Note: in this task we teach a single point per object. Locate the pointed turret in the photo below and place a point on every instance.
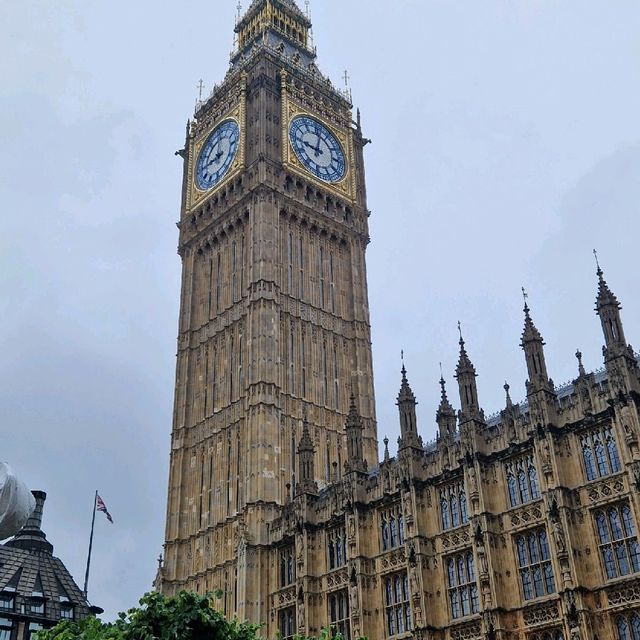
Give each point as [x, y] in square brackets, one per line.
[355, 431]
[608, 308]
[408, 421]
[466, 377]
[446, 415]
[306, 455]
[533, 346]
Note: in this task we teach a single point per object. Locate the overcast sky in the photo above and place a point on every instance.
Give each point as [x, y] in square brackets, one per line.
[506, 146]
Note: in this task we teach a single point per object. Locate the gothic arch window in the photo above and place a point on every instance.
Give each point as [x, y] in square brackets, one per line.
[397, 605]
[392, 528]
[339, 613]
[628, 626]
[619, 548]
[337, 548]
[462, 586]
[522, 481]
[453, 506]
[600, 453]
[534, 561]
[287, 566]
[287, 623]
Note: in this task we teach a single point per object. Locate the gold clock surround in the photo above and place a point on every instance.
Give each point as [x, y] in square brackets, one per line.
[195, 195]
[291, 108]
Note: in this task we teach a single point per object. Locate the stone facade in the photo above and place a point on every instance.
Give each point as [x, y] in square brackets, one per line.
[518, 526]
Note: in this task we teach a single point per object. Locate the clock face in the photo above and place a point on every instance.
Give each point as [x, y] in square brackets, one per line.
[217, 154]
[318, 149]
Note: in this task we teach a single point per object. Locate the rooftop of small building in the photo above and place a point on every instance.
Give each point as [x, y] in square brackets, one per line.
[30, 574]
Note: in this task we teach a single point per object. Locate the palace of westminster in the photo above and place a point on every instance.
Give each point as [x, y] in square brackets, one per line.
[521, 526]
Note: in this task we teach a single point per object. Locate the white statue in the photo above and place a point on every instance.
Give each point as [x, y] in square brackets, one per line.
[16, 502]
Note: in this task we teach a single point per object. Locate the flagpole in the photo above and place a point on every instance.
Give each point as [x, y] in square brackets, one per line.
[93, 524]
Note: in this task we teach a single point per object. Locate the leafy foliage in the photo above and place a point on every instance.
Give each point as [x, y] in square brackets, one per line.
[187, 616]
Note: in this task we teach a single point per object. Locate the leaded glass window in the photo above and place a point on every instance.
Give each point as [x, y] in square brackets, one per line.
[287, 623]
[628, 626]
[522, 481]
[453, 506]
[337, 548]
[600, 453]
[287, 566]
[463, 588]
[339, 614]
[534, 561]
[619, 547]
[392, 532]
[397, 605]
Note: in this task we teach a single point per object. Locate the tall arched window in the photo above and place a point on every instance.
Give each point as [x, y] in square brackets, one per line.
[619, 547]
[628, 626]
[600, 453]
[462, 586]
[534, 560]
[522, 481]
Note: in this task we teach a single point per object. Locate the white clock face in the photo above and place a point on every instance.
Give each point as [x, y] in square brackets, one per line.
[217, 154]
[317, 149]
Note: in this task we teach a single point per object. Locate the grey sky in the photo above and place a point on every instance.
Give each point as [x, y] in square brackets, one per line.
[506, 146]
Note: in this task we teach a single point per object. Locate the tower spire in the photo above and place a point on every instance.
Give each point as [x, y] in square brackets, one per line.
[407, 408]
[466, 376]
[608, 308]
[445, 416]
[533, 345]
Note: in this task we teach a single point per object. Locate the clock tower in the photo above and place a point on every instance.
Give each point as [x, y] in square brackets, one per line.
[274, 338]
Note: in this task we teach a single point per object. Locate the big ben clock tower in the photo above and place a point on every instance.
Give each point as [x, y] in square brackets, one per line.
[274, 339]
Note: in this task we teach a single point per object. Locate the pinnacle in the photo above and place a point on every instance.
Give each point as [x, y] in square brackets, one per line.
[605, 296]
[507, 390]
[464, 363]
[306, 443]
[581, 368]
[445, 407]
[353, 419]
[405, 394]
[530, 333]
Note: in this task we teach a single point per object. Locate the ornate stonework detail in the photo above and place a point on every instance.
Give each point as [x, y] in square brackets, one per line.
[456, 539]
[526, 517]
[274, 445]
[468, 631]
[541, 614]
[604, 491]
[629, 595]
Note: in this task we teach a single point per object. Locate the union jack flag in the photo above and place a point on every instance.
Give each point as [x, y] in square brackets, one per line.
[101, 506]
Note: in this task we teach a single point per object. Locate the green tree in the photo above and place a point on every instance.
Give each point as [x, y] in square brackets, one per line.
[186, 616]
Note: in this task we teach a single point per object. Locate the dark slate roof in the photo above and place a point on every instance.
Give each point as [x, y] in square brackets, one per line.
[31, 575]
